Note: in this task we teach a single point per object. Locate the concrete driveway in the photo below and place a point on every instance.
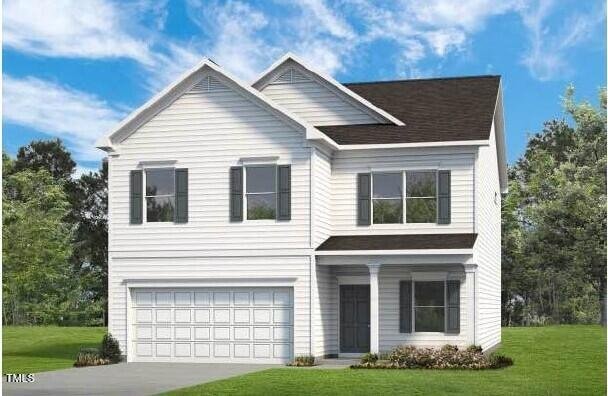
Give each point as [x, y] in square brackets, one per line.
[127, 378]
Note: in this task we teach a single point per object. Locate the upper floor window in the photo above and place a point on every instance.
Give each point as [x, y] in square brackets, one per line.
[160, 195]
[261, 192]
[420, 200]
[421, 196]
[387, 198]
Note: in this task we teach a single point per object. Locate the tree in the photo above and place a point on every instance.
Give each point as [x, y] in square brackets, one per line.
[38, 285]
[90, 257]
[554, 221]
[46, 154]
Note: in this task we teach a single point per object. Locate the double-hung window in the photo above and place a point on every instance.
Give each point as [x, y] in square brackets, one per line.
[261, 192]
[429, 306]
[421, 197]
[160, 195]
[387, 198]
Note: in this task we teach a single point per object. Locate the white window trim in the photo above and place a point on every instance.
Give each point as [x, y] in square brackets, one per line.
[145, 195]
[245, 193]
[404, 196]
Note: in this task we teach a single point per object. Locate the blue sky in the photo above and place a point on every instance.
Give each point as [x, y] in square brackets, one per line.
[73, 69]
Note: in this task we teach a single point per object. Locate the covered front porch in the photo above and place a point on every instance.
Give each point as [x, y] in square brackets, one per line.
[371, 301]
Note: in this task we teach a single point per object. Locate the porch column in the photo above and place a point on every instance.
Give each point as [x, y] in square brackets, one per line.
[470, 271]
[374, 308]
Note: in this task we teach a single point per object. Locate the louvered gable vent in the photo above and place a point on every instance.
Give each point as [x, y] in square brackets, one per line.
[291, 76]
[208, 84]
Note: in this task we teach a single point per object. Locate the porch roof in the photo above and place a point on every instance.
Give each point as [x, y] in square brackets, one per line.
[398, 242]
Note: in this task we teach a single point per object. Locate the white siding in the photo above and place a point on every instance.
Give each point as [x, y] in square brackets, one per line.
[346, 165]
[321, 185]
[207, 132]
[325, 315]
[317, 103]
[208, 268]
[487, 246]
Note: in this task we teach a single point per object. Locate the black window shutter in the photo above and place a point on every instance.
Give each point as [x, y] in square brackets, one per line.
[444, 215]
[181, 195]
[236, 193]
[136, 197]
[284, 195]
[452, 306]
[405, 306]
[364, 192]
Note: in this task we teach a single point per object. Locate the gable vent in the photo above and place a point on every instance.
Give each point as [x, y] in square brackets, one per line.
[291, 76]
[208, 84]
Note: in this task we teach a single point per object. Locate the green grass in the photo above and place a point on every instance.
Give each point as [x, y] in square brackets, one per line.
[556, 360]
[34, 349]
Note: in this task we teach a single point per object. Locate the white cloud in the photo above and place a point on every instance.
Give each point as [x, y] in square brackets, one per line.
[547, 55]
[77, 117]
[64, 28]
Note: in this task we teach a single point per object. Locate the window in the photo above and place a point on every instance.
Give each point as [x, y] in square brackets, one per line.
[160, 195]
[261, 190]
[429, 306]
[421, 197]
[387, 198]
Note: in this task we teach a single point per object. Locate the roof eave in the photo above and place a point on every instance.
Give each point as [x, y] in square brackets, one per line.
[394, 252]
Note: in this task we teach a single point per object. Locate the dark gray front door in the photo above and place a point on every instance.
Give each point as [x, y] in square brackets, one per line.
[354, 318]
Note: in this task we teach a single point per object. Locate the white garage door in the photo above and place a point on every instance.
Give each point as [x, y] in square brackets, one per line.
[212, 324]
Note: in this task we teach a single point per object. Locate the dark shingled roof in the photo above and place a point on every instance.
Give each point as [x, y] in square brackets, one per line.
[399, 242]
[433, 110]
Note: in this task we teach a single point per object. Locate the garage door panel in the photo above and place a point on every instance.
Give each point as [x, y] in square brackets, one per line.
[241, 298]
[163, 298]
[242, 315]
[163, 316]
[143, 298]
[242, 333]
[182, 298]
[144, 332]
[221, 298]
[202, 298]
[143, 315]
[208, 324]
[202, 315]
[261, 315]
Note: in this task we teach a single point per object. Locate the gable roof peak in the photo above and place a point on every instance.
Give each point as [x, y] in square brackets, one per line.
[265, 78]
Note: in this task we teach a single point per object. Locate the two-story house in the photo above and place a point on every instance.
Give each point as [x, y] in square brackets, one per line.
[302, 216]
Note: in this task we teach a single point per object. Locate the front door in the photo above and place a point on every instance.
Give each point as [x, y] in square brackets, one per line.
[354, 318]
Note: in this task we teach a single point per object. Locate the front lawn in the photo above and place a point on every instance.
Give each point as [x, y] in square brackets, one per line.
[34, 349]
[555, 360]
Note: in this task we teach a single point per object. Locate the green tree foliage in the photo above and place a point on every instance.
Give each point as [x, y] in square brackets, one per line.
[554, 222]
[86, 219]
[90, 255]
[46, 154]
[37, 283]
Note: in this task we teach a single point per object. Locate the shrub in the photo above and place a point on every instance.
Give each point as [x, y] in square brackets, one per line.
[89, 357]
[110, 349]
[474, 348]
[446, 357]
[369, 358]
[303, 361]
[498, 360]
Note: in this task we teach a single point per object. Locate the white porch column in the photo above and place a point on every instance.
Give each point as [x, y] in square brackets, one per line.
[374, 308]
[470, 271]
